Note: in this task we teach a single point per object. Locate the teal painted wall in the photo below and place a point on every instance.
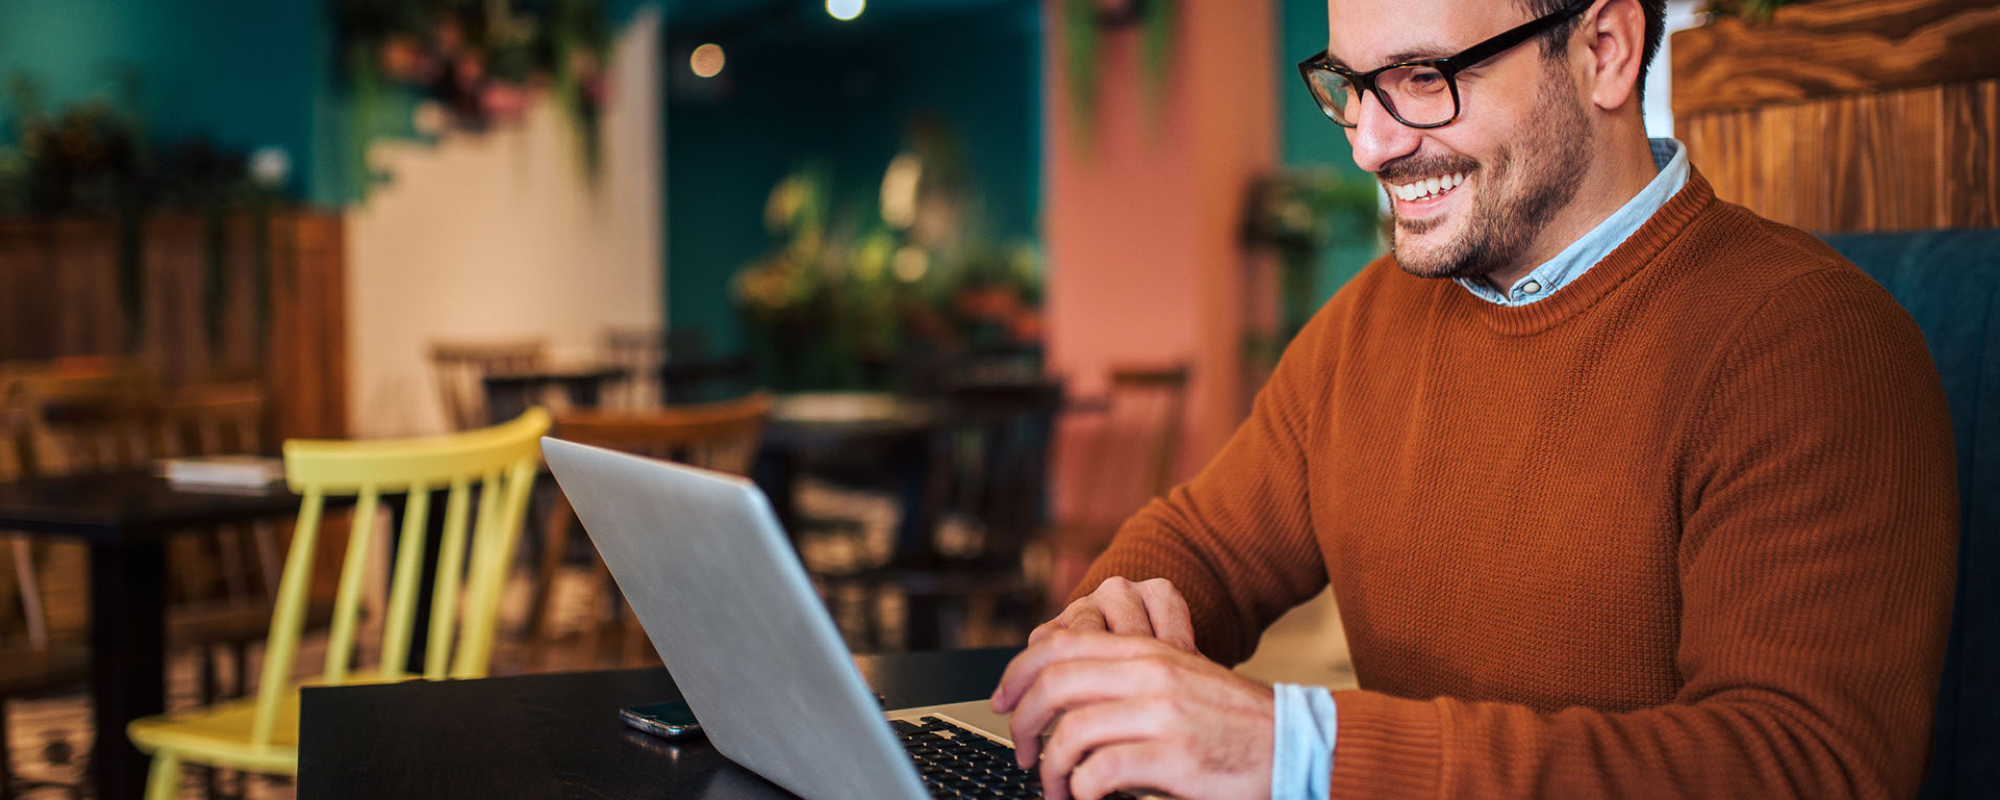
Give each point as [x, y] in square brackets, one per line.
[243, 73]
[841, 95]
[1307, 139]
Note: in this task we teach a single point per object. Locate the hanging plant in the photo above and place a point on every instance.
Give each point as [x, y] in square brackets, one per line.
[470, 65]
[1084, 22]
[93, 159]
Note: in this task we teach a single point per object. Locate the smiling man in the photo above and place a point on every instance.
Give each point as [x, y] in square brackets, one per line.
[1623, 490]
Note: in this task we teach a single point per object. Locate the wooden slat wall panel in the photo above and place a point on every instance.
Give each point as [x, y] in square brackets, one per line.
[87, 277]
[1972, 124]
[59, 297]
[308, 356]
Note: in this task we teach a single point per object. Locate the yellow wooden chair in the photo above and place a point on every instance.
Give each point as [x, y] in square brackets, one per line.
[260, 734]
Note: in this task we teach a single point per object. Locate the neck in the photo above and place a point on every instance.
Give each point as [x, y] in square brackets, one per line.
[1612, 181]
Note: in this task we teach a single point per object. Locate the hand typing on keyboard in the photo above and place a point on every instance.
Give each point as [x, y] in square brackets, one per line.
[1137, 714]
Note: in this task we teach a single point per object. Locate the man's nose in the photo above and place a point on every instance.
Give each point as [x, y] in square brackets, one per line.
[1377, 137]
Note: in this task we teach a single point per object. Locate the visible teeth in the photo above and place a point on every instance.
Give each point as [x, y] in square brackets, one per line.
[1417, 190]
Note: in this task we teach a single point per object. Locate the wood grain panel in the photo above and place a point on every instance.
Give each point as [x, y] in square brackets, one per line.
[1911, 159]
[1970, 192]
[59, 296]
[307, 363]
[1834, 47]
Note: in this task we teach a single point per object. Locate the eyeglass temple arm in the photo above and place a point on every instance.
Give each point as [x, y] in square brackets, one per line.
[1499, 44]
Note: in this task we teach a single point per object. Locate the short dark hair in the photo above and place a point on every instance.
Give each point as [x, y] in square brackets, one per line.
[1656, 31]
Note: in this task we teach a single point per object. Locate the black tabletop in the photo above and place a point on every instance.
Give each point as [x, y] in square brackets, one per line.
[559, 735]
[124, 507]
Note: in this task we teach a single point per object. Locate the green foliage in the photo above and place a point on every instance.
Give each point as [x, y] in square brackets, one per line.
[93, 159]
[1083, 26]
[1297, 214]
[470, 64]
[838, 291]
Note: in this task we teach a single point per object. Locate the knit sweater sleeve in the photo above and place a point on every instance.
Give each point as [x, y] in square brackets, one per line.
[1819, 530]
[1237, 540]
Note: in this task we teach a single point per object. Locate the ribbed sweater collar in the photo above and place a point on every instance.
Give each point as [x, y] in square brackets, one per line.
[1638, 252]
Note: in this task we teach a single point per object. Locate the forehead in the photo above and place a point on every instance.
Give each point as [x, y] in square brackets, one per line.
[1364, 34]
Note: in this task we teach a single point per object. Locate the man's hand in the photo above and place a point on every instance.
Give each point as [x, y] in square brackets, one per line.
[1151, 608]
[1136, 714]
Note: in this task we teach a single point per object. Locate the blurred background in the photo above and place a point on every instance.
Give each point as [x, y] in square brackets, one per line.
[960, 283]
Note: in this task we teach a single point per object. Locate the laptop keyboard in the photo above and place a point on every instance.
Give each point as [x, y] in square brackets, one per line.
[958, 763]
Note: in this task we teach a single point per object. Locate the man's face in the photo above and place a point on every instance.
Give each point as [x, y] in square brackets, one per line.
[1517, 151]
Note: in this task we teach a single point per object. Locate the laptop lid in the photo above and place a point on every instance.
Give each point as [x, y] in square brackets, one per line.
[716, 585]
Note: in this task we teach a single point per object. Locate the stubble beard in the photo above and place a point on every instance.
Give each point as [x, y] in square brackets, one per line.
[1500, 227]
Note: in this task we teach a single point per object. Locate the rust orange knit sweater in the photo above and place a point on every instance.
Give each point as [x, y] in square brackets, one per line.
[1684, 528]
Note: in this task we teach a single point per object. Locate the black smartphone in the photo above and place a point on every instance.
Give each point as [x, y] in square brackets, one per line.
[672, 720]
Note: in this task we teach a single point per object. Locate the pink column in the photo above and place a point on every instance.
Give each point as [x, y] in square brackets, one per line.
[1142, 215]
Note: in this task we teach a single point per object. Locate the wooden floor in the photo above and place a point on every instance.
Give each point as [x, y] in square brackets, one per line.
[51, 735]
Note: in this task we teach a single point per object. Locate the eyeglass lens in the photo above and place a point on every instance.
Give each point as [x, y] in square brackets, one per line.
[1418, 95]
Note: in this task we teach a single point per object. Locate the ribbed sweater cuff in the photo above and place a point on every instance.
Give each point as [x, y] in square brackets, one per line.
[1387, 747]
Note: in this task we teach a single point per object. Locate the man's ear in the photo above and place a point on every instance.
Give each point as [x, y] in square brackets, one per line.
[1615, 39]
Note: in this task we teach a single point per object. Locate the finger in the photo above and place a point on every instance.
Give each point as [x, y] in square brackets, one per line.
[1123, 609]
[1168, 613]
[1084, 615]
[1142, 766]
[1065, 645]
[1069, 685]
[1097, 725]
[1043, 630]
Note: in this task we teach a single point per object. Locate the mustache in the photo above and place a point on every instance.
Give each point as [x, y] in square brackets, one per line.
[1409, 168]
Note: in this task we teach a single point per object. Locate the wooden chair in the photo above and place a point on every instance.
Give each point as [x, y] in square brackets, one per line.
[1127, 457]
[32, 660]
[990, 459]
[224, 581]
[462, 367]
[719, 436]
[640, 352]
[260, 734]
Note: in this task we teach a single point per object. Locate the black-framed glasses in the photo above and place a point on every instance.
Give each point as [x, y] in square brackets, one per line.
[1422, 93]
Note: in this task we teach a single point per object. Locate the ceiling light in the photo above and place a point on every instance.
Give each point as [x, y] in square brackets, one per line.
[707, 60]
[845, 9]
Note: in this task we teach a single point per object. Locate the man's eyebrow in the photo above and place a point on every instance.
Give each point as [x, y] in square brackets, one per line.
[1419, 53]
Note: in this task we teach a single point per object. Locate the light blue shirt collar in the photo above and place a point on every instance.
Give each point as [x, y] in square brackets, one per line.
[1671, 158]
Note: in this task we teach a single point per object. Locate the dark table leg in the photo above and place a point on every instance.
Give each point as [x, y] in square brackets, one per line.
[916, 535]
[128, 639]
[916, 532]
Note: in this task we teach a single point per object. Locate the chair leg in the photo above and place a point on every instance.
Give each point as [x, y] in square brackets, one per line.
[555, 540]
[240, 653]
[211, 687]
[6, 756]
[164, 777]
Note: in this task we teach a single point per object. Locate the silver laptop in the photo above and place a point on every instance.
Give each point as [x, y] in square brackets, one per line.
[703, 562]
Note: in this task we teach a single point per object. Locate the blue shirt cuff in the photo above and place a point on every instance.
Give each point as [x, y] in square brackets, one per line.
[1302, 744]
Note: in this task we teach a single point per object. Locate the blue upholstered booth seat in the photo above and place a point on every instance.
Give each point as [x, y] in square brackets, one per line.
[1949, 281]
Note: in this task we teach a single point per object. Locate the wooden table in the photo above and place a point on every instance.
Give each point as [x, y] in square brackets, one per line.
[558, 735]
[124, 518]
